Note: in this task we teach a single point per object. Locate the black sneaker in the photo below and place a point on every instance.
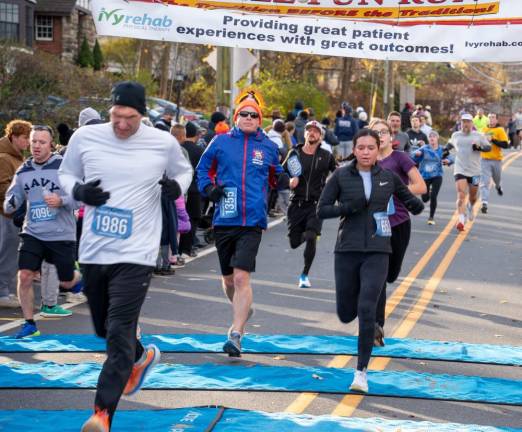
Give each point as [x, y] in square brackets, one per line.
[484, 208]
[379, 336]
[500, 191]
[233, 345]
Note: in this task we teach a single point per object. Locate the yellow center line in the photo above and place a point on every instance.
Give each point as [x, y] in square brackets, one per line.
[350, 402]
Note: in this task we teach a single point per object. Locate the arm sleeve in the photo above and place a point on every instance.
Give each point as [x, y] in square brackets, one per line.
[71, 168]
[326, 208]
[417, 159]
[206, 163]
[15, 196]
[502, 139]
[178, 167]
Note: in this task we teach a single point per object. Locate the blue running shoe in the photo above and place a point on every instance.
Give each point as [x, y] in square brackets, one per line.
[27, 330]
[233, 345]
[304, 282]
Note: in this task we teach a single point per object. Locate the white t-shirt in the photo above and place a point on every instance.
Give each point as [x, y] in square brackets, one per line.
[127, 229]
[467, 160]
[367, 183]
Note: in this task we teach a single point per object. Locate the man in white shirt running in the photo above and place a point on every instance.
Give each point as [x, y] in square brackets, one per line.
[468, 144]
[116, 169]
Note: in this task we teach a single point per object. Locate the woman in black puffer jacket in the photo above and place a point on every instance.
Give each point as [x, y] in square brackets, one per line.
[359, 194]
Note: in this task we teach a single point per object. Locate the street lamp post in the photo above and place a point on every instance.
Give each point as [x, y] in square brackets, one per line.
[179, 78]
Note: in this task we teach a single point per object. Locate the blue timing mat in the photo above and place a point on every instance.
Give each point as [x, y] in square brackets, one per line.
[222, 420]
[272, 378]
[281, 344]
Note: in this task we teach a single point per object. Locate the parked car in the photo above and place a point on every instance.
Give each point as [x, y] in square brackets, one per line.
[155, 107]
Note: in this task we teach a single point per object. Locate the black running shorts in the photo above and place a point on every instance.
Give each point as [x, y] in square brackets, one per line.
[473, 181]
[61, 254]
[302, 217]
[237, 248]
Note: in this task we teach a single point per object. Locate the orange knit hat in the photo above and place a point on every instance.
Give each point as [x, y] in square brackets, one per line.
[250, 103]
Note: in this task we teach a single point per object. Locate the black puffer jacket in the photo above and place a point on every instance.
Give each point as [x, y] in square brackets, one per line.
[343, 196]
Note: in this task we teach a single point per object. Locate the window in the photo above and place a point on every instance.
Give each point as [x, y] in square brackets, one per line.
[44, 28]
[86, 4]
[9, 23]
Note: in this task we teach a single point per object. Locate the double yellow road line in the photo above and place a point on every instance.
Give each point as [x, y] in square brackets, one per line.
[351, 401]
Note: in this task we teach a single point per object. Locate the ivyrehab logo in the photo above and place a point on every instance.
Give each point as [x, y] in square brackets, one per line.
[142, 22]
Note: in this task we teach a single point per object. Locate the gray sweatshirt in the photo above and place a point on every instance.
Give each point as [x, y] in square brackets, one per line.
[30, 183]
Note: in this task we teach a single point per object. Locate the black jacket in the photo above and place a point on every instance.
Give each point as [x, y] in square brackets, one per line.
[357, 230]
[311, 182]
[194, 152]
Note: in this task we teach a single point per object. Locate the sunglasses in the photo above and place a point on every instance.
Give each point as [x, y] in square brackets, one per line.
[245, 114]
[43, 128]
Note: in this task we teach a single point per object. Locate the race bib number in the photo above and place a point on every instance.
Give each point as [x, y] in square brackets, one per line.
[391, 207]
[40, 212]
[294, 166]
[228, 204]
[430, 167]
[112, 222]
[383, 224]
[475, 180]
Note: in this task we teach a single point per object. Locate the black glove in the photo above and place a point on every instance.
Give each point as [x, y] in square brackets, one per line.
[283, 181]
[215, 192]
[476, 147]
[170, 188]
[415, 206]
[352, 206]
[90, 193]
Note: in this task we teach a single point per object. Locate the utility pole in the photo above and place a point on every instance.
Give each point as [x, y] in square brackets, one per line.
[223, 77]
[386, 89]
[165, 66]
[346, 78]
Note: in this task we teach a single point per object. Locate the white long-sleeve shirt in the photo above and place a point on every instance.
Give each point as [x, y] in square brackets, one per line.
[127, 229]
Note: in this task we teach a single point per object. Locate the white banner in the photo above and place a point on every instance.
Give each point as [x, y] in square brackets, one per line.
[442, 41]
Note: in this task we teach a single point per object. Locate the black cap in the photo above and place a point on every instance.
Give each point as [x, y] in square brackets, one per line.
[191, 130]
[217, 117]
[130, 94]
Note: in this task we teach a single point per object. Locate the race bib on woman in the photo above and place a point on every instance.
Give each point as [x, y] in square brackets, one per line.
[383, 224]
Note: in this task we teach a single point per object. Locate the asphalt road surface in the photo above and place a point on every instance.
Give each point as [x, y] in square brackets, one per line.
[452, 287]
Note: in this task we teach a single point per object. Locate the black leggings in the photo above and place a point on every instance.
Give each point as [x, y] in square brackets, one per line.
[359, 278]
[116, 293]
[400, 240]
[433, 187]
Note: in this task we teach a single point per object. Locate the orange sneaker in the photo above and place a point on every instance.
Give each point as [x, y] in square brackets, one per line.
[141, 369]
[98, 422]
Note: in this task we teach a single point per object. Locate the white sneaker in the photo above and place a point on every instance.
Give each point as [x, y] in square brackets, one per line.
[471, 215]
[360, 382]
[9, 301]
[304, 282]
[75, 297]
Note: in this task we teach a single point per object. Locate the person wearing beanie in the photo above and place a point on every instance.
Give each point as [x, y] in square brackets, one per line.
[234, 172]
[187, 241]
[215, 118]
[119, 171]
[88, 116]
[345, 129]
[308, 166]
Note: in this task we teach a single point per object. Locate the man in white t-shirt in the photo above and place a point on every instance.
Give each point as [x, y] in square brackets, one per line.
[118, 170]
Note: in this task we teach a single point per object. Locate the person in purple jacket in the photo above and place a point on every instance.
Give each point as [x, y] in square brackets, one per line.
[235, 172]
[402, 165]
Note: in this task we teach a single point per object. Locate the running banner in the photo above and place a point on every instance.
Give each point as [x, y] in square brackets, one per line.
[407, 30]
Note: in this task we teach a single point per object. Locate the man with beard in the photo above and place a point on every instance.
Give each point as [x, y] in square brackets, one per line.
[308, 166]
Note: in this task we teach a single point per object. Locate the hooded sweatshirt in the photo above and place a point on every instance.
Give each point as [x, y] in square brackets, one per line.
[31, 182]
[10, 160]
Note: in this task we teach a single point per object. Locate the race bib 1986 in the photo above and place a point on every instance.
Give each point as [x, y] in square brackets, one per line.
[112, 222]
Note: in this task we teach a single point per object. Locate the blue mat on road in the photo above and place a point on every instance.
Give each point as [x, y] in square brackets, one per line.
[16, 375]
[281, 344]
[222, 420]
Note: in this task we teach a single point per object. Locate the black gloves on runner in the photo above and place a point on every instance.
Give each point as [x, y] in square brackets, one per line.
[170, 188]
[215, 192]
[90, 193]
[353, 206]
[476, 147]
[414, 206]
[283, 181]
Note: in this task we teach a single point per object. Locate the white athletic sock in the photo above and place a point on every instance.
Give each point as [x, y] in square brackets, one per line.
[462, 218]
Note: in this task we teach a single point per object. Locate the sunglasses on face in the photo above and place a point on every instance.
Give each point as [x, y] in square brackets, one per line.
[43, 128]
[245, 114]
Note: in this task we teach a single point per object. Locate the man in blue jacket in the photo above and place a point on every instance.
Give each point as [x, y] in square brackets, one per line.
[345, 130]
[235, 172]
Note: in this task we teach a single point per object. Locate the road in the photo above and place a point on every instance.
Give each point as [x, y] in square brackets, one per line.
[452, 288]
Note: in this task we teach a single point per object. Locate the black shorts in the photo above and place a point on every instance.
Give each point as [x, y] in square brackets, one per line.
[59, 253]
[474, 181]
[302, 217]
[237, 248]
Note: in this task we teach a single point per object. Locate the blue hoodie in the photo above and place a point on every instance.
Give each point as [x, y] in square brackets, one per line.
[244, 164]
[430, 161]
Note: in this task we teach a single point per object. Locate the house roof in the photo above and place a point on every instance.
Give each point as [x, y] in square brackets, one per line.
[55, 7]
